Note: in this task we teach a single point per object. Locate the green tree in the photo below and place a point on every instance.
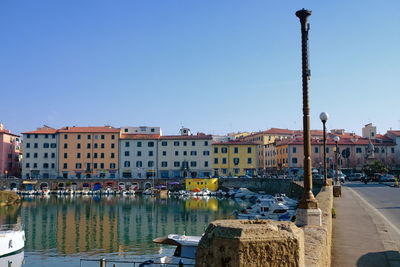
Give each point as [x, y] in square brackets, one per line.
[375, 167]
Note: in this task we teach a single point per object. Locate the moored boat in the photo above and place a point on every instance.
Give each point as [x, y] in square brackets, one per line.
[12, 238]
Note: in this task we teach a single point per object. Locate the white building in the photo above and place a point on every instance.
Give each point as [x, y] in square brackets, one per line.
[141, 130]
[184, 155]
[40, 153]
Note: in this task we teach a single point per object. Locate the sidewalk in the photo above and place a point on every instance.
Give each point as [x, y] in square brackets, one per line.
[360, 237]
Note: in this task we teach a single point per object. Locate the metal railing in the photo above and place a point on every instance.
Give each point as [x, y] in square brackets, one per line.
[103, 263]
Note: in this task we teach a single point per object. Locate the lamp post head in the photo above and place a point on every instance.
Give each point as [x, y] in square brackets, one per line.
[336, 138]
[303, 13]
[323, 116]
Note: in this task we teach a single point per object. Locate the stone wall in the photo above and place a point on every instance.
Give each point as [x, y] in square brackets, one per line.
[317, 239]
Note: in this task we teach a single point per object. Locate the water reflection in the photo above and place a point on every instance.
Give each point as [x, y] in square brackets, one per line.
[122, 226]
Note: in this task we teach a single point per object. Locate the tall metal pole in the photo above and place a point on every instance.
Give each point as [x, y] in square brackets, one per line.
[325, 173]
[337, 163]
[308, 201]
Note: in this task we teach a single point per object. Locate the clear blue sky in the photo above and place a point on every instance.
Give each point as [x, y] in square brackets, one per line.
[213, 66]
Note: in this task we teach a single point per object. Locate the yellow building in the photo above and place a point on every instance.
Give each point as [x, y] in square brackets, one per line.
[88, 152]
[234, 158]
[195, 184]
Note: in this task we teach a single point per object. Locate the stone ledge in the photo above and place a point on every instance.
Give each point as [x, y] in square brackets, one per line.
[249, 243]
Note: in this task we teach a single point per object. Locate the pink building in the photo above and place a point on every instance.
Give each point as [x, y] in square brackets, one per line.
[10, 153]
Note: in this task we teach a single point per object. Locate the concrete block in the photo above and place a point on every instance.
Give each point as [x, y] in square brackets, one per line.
[337, 190]
[237, 243]
[308, 217]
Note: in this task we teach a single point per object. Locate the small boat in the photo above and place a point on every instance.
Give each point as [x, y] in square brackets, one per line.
[245, 193]
[13, 260]
[185, 252]
[12, 238]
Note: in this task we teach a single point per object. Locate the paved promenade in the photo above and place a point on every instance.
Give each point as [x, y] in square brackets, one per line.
[362, 235]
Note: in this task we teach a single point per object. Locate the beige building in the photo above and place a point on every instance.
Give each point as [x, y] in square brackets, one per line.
[88, 152]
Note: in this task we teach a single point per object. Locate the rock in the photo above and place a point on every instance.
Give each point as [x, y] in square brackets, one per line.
[8, 198]
[251, 243]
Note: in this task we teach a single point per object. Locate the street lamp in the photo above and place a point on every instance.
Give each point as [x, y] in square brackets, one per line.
[324, 117]
[336, 139]
[308, 200]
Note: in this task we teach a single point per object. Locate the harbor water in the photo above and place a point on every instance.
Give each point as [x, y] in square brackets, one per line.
[62, 230]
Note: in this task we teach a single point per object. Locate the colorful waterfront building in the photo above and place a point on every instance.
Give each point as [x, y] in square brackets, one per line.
[88, 152]
[184, 155]
[234, 158]
[10, 153]
[138, 151]
[262, 139]
[40, 153]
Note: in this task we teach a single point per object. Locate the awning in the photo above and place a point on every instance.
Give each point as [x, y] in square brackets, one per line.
[29, 182]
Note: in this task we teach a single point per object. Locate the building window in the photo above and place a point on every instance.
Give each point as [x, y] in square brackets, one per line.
[176, 143]
[164, 164]
[176, 153]
[96, 137]
[185, 153]
[206, 153]
[102, 145]
[249, 150]
[316, 149]
[88, 145]
[53, 165]
[102, 155]
[112, 145]
[27, 165]
[164, 143]
[193, 164]
[78, 155]
[28, 136]
[88, 166]
[150, 153]
[249, 161]
[28, 145]
[184, 143]
[127, 164]
[79, 137]
[327, 150]
[101, 165]
[65, 155]
[392, 149]
[35, 166]
[205, 163]
[88, 155]
[78, 145]
[150, 144]
[53, 155]
[193, 153]
[65, 136]
[139, 153]
[224, 150]
[112, 165]
[236, 161]
[358, 150]
[193, 143]
[236, 170]
[102, 136]
[176, 163]
[150, 164]
[89, 136]
[65, 166]
[236, 150]
[294, 150]
[28, 155]
[215, 150]
[215, 160]
[139, 164]
[78, 165]
[46, 155]
[164, 153]
[94, 165]
[65, 145]
[112, 155]
[127, 153]
[112, 137]
[35, 145]
[205, 143]
[223, 160]
[95, 155]
[294, 160]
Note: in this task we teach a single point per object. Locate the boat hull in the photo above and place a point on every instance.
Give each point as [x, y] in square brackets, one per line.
[11, 241]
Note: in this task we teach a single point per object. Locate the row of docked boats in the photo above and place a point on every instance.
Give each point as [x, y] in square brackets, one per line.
[70, 192]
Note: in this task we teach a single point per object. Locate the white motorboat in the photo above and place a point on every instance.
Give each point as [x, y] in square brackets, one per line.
[13, 260]
[185, 252]
[245, 193]
[12, 238]
[268, 209]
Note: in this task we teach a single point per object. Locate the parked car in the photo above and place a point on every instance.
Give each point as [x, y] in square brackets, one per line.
[318, 176]
[387, 178]
[342, 177]
[355, 177]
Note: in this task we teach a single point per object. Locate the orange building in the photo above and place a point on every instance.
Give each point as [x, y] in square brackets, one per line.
[88, 152]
